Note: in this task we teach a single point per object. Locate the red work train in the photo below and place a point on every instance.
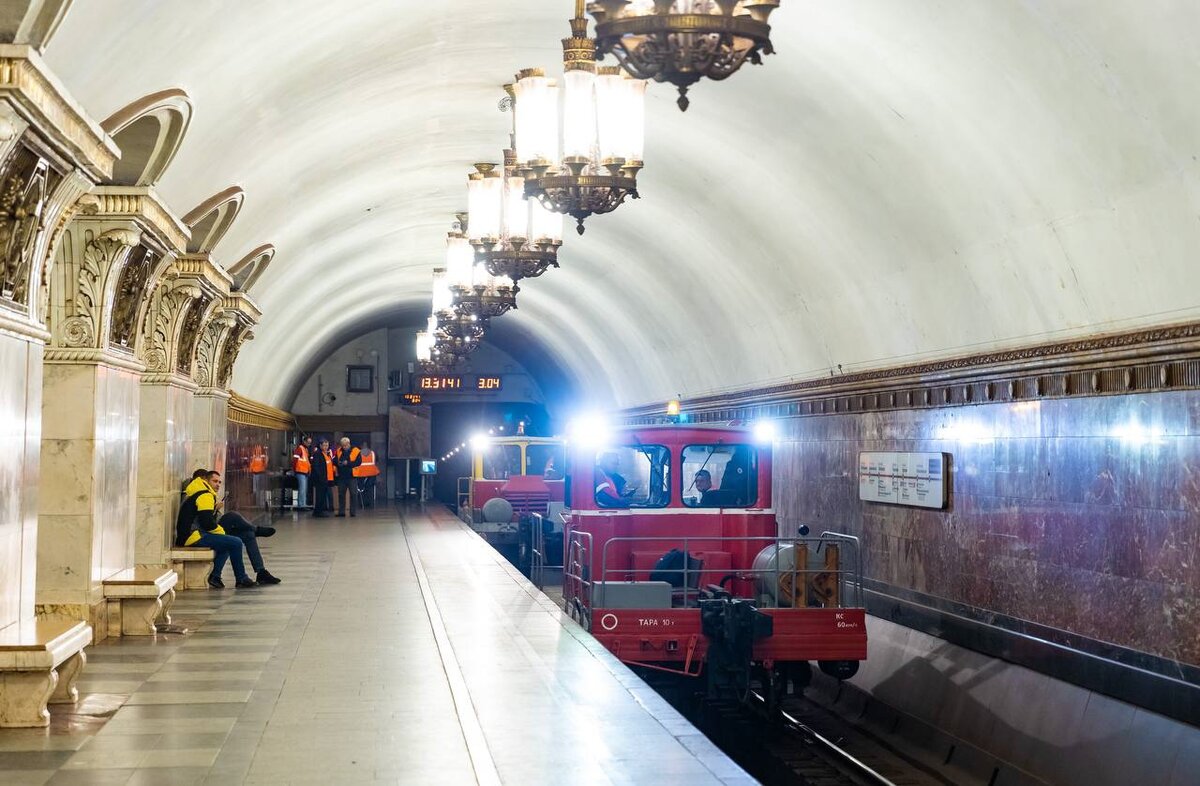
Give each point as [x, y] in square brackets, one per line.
[674, 563]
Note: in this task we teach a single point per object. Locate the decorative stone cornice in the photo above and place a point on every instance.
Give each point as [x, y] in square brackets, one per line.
[36, 93]
[248, 311]
[1161, 358]
[92, 356]
[142, 205]
[205, 271]
[254, 413]
[172, 379]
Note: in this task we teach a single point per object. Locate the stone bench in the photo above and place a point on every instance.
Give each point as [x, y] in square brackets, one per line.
[138, 598]
[40, 660]
[194, 565]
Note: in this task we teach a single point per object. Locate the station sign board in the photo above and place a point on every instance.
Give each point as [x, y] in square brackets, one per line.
[913, 479]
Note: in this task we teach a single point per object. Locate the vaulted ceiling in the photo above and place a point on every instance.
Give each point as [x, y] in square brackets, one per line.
[902, 179]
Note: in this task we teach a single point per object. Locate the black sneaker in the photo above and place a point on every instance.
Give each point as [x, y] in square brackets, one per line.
[265, 577]
[264, 532]
[245, 583]
[215, 582]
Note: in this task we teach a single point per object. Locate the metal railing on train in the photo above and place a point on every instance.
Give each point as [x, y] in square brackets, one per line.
[837, 583]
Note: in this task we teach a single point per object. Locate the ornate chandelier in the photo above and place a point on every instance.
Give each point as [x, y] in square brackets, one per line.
[602, 131]
[475, 293]
[683, 41]
[514, 237]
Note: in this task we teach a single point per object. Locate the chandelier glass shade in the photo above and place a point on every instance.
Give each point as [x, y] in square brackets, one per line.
[683, 41]
[514, 237]
[589, 163]
[475, 292]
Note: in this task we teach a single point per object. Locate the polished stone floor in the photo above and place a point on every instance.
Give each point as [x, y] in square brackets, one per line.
[399, 649]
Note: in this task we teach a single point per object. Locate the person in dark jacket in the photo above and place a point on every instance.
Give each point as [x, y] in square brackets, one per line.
[235, 524]
[197, 525]
[348, 459]
[322, 481]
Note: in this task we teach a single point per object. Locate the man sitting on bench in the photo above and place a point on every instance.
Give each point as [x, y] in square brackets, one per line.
[197, 525]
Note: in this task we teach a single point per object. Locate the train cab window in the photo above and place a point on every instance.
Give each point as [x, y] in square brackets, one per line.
[720, 476]
[633, 477]
[500, 462]
[545, 460]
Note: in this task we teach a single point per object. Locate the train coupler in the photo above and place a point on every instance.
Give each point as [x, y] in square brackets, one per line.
[732, 626]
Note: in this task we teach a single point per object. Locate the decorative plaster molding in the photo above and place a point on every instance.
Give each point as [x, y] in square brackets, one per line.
[233, 346]
[30, 86]
[143, 205]
[1160, 358]
[254, 413]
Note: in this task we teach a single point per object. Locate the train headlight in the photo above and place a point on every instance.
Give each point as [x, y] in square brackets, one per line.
[479, 441]
[765, 432]
[590, 431]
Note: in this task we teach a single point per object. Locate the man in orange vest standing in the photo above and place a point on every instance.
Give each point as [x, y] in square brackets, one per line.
[347, 459]
[367, 472]
[301, 466]
[322, 481]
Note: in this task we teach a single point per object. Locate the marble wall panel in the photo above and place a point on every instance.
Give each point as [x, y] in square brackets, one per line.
[30, 495]
[87, 482]
[209, 430]
[20, 418]
[163, 462]
[1079, 514]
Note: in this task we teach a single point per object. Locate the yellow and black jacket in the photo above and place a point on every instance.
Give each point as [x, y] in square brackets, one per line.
[197, 513]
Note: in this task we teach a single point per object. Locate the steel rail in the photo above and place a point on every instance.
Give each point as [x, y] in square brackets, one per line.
[839, 755]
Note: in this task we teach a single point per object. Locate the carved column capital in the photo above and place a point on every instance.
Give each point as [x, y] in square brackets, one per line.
[90, 260]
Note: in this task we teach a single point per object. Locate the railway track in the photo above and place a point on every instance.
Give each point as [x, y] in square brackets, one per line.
[807, 745]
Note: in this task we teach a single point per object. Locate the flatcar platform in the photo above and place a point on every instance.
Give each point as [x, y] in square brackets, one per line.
[399, 649]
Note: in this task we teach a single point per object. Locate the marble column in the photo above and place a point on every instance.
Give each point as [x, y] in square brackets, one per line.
[176, 424]
[210, 420]
[20, 448]
[164, 460]
[50, 154]
[90, 416]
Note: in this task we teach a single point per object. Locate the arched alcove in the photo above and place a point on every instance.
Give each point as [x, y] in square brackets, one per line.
[149, 132]
[212, 218]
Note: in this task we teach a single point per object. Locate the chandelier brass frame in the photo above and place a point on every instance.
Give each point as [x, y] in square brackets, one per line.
[578, 185]
[514, 257]
[683, 48]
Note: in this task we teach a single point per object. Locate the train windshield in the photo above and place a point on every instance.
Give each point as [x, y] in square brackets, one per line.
[633, 477]
[500, 462]
[545, 460]
[720, 476]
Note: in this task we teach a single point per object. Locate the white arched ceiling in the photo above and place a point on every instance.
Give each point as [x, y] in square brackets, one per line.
[901, 180]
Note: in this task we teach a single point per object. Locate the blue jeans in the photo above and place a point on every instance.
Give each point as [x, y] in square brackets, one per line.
[302, 489]
[236, 525]
[225, 547]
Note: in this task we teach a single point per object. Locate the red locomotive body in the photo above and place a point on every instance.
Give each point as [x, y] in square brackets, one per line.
[674, 563]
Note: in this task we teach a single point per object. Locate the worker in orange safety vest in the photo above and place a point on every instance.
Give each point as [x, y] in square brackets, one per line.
[322, 481]
[301, 466]
[367, 473]
[348, 458]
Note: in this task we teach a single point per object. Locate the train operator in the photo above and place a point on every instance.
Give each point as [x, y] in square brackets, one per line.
[611, 489]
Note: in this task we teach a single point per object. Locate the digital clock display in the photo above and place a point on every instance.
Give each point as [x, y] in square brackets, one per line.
[412, 398]
[440, 382]
[488, 383]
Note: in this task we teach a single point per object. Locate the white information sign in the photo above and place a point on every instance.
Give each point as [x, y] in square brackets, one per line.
[914, 479]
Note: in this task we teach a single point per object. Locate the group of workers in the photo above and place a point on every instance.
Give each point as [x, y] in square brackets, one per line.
[353, 471]
[201, 523]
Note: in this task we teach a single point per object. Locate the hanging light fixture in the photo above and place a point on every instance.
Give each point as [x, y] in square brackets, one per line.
[514, 237]
[683, 41]
[602, 131]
